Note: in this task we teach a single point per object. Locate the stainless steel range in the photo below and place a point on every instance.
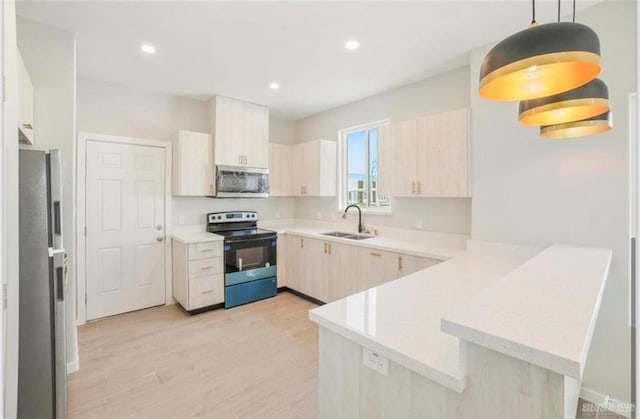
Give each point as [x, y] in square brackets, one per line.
[249, 257]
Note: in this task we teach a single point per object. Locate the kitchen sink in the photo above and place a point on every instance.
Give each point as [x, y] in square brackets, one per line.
[351, 236]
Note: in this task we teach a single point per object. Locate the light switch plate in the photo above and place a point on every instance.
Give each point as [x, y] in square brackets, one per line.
[375, 361]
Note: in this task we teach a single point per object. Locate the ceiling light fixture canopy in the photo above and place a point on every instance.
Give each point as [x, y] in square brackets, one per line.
[352, 45]
[148, 49]
[590, 126]
[584, 102]
[540, 61]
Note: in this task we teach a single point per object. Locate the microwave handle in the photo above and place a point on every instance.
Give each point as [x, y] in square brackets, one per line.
[240, 264]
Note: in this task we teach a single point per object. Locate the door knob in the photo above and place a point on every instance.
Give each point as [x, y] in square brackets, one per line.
[159, 239]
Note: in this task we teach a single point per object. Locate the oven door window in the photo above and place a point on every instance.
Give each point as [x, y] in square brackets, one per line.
[249, 254]
[236, 181]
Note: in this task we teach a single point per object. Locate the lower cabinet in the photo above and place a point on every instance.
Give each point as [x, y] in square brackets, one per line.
[328, 271]
[198, 274]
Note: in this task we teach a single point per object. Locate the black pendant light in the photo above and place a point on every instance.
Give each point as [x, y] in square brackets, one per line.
[540, 61]
[595, 125]
[584, 102]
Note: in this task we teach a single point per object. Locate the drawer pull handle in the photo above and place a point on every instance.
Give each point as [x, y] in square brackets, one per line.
[375, 254]
[206, 250]
[207, 292]
[206, 268]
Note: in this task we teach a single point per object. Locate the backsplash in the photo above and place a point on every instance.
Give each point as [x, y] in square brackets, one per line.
[444, 215]
[190, 211]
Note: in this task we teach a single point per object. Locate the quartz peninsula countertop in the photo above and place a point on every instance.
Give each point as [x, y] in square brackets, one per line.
[495, 295]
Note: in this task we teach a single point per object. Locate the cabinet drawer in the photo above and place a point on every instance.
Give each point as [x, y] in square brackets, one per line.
[206, 291]
[205, 250]
[204, 267]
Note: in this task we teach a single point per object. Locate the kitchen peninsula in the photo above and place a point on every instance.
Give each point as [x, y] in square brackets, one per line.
[500, 331]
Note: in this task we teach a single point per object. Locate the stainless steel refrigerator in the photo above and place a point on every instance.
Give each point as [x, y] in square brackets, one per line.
[42, 363]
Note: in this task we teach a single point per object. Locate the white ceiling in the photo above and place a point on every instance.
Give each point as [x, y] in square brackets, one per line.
[237, 48]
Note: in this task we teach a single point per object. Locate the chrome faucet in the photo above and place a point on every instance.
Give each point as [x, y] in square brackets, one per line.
[344, 216]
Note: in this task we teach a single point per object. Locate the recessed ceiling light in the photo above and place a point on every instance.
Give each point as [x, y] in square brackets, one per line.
[274, 86]
[148, 49]
[352, 45]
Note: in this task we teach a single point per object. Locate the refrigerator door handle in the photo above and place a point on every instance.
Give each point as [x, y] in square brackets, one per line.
[57, 223]
[60, 282]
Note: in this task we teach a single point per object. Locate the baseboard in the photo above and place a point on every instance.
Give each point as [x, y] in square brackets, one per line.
[301, 295]
[73, 366]
[606, 402]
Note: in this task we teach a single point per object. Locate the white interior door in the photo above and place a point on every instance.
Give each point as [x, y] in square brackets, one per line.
[125, 256]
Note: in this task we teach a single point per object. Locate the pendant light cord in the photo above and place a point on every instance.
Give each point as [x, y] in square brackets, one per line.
[574, 11]
[558, 11]
[533, 7]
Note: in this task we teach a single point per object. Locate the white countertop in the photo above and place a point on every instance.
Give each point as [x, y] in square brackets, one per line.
[401, 319]
[441, 246]
[543, 312]
[196, 237]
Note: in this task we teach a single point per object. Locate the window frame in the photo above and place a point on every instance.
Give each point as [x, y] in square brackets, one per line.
[342, 167]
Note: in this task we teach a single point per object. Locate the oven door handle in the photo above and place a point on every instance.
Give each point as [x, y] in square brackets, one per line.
[234, 241]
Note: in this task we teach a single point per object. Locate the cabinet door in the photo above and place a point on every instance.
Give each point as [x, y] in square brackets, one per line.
[386, 167]
[193, 167]
[280, 170]
[314, 268]
[282, 259]
[326, 173]
[300, 173]
[398, 158]
[376, 267]
[256, 135]
[408, 264]
[443, 163]
[427, 155]
[311, 168]
[342, 271]
[294, 264]
[25, 103]
[453, 156]
[228, 131]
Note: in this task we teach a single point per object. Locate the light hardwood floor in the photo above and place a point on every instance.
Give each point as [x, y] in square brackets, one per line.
[255, 361]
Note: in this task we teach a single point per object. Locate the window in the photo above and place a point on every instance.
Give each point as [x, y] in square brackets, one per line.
[360, 168]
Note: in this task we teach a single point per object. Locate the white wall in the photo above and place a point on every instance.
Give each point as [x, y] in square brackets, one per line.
[444, 92]
[9, 259]
[50, 58]
[107, 108]
[533, 191]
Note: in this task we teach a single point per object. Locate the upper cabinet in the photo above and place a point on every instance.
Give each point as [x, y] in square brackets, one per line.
[426, 157]
[25, 103]
[193, 168]
[240, 132]
[305, 169]
[314, 168]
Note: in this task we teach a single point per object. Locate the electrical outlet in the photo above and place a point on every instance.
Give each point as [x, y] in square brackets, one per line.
[375, 361]
[277, 214]
[181, 220]
[319, 215]
[419, 223]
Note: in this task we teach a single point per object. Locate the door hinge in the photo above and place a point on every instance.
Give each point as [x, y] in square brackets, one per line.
[4, 88]
[85, 299]
[85, 231]
[4, 296]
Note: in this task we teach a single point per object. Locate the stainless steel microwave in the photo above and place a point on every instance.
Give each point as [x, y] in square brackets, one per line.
[242, 182]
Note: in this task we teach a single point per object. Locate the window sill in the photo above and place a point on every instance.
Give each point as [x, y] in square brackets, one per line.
[370, 211]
